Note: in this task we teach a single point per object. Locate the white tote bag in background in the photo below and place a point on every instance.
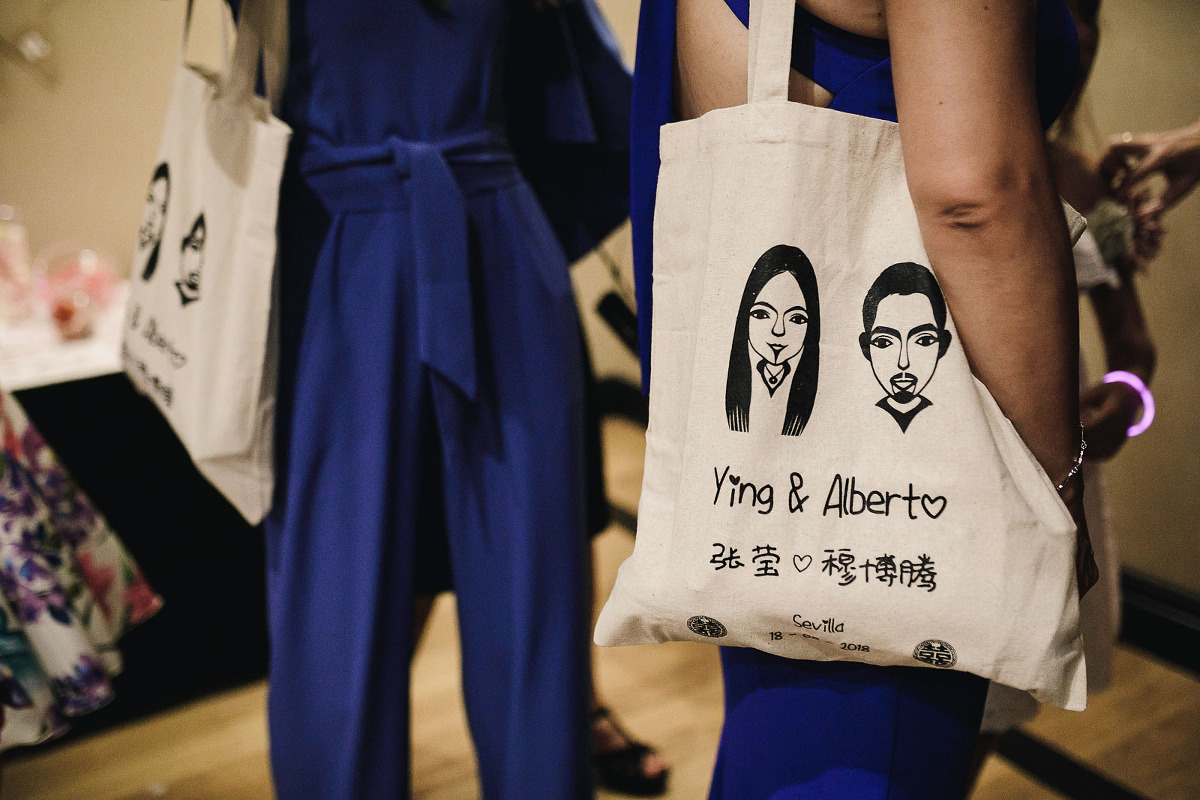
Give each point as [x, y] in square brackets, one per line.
[825, 478]
[200, 332]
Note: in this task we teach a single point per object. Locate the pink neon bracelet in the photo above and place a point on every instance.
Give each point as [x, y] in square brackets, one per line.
[1129, 379]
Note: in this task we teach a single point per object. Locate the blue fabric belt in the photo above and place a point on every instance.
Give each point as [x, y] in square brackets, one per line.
[431, 179]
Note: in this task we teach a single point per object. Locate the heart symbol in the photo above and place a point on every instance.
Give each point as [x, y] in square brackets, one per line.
[735, 479]
[801, 563]
[936, 502]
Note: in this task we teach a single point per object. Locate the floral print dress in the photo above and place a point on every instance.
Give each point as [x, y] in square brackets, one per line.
[68, 591]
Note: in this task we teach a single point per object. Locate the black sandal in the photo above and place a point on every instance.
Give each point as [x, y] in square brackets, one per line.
[621, 770]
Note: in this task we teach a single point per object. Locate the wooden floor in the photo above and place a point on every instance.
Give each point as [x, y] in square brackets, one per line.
[1144, 733]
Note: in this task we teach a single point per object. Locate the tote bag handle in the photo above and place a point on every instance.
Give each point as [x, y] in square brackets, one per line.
[261, 32]
[769, 60]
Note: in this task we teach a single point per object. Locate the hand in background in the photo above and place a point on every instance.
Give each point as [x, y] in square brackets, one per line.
[1107, 410]
[1147, 226]
[1175, 154]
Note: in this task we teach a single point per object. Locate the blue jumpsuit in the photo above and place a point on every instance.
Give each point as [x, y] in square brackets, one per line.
[429, 420]
[799, 730]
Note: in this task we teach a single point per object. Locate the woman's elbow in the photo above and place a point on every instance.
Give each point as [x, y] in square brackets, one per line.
[973, 199]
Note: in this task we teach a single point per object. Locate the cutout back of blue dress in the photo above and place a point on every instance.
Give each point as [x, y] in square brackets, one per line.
[857, 70]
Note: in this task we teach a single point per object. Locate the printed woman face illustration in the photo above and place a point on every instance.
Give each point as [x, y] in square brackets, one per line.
[779, 320]
[154, 215]
[904, 345]
[904, 322]
[154, 219]
[775, 352]
[191, 262]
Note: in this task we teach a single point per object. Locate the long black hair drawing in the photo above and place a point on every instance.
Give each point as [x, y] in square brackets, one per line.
[776, 341]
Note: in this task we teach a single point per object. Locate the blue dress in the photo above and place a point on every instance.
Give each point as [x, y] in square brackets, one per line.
[801, 730]
[429, 420]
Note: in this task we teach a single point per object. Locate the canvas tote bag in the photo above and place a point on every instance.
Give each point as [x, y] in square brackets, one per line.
[200, 335]
[825, 479]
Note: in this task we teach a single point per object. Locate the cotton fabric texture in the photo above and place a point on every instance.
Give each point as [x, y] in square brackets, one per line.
[68, 591]
[200, 336]
[825, 479]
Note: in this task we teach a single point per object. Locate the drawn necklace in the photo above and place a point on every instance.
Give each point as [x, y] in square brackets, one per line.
[773, 375]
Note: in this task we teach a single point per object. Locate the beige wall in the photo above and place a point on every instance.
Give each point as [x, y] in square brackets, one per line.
[622, 15]
[75, 156]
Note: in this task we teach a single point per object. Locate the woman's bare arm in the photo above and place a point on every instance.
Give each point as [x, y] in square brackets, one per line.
[989, 214]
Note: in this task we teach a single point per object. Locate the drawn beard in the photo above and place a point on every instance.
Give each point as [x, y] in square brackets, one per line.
[903, 386]
[189, 292]
[189, 288]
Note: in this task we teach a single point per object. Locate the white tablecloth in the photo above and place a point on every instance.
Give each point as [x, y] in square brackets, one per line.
[33, 354]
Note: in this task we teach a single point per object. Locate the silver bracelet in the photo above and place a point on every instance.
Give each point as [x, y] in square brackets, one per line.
[1078, 460]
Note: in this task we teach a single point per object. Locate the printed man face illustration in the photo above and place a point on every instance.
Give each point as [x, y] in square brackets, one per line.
[191, 263]
[779, 320]
[905, 334]
[904, 345]
[154, 219]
